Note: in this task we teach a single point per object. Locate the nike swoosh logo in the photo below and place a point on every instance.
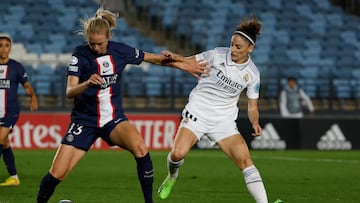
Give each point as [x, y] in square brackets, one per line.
[118, 120]
[105, 71]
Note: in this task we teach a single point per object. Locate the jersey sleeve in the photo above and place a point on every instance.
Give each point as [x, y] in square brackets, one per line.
[75, 65]
[132, 55]
[253, 88]
[207, 56]
[22, 75]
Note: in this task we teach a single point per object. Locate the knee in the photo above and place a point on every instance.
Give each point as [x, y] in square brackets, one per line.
[140, 149]
[178, 154]
[243, 163]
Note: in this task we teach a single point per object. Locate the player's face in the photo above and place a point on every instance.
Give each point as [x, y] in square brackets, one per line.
[5, 47]
[98, 42]
[240, 49]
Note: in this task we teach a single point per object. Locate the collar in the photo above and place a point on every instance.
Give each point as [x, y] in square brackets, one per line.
[230, 62]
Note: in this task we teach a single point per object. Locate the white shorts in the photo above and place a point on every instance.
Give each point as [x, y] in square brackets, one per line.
[214, 131]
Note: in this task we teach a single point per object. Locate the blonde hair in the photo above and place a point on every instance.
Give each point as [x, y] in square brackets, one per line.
[104, 21]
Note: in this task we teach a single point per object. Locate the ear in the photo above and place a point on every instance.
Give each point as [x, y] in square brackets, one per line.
[251, 48]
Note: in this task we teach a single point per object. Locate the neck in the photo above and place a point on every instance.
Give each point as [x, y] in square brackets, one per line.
[4, 60]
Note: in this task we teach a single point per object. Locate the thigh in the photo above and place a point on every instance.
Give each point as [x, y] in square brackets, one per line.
[126, 136]
[184, 140]
[4, 135]
[66, 158]
[236, 148]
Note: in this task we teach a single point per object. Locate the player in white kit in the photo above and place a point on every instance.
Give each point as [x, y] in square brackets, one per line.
[212, 108]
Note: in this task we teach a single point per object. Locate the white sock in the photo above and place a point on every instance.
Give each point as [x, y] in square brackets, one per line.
[15, 176]
[254, 184]
[173, 166]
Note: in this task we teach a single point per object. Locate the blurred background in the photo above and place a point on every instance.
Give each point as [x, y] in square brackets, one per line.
[314, 40]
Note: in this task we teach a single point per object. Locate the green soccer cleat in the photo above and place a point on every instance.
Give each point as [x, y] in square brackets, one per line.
[166, 187]
[278, 201]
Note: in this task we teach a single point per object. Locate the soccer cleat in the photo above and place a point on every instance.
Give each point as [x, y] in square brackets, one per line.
[278, 201]
[11, 182]
[166, 187]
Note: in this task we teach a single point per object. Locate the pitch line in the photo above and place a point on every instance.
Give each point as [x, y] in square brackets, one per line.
[282, 158]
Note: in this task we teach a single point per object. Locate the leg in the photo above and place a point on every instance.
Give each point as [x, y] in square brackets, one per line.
[236, 148]
[66, 158]
[184, 140]
[9, 159]
[127, 136]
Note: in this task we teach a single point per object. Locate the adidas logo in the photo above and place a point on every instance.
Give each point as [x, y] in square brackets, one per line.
[269, 139]
[333, 139]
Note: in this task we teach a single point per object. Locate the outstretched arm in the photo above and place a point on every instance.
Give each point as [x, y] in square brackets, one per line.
[187, 64]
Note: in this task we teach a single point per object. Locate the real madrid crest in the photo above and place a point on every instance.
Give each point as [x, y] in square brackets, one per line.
[246, 77]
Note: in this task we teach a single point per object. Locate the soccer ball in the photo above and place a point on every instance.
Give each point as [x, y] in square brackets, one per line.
[65, 201]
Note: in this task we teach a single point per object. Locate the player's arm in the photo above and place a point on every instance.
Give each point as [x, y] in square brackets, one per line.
[33, 98]
[253, 114]
[75, 88]
[187, 64]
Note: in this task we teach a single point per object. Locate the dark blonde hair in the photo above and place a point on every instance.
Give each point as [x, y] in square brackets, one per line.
[250, 26]
[104, 21]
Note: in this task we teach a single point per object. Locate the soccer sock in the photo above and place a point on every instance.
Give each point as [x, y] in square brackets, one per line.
[146, 176]
[173, 166]
[254, 184]
[47, 188]
[8, 157]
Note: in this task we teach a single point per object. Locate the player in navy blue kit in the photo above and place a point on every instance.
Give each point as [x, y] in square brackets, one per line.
[94, 81]
[12, 73]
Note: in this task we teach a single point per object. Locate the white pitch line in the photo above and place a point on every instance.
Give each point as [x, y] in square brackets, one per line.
[350, 161]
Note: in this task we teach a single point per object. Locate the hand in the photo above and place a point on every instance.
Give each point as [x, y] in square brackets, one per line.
[33, 103]
[196, 68]
[257, 130]
[95, 79]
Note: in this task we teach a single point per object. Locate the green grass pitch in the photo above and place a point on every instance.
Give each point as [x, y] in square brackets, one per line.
[206, 176]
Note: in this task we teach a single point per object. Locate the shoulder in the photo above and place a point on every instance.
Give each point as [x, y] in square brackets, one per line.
[221, 50]
[251, 65]
[15, 64]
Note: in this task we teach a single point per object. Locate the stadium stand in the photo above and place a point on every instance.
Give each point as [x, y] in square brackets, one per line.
[313, 40]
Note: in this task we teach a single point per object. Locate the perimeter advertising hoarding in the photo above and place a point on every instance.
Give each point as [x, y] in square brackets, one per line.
[307, 133]
[45, 130]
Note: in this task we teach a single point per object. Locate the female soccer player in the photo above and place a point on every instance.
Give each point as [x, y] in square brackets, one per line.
[94, 81]
[12, 73]
[212, 108]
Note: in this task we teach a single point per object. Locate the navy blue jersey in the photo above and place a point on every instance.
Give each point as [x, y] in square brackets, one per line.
[99, 104]
[11, 74]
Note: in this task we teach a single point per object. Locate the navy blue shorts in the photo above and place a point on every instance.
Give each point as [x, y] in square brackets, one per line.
[83, 137]
[9, 120]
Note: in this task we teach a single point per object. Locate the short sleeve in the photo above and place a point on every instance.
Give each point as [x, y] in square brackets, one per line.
[253, 88]
[75, 65]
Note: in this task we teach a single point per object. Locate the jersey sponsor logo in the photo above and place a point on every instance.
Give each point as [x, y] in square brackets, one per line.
[3, 71]
[106, 70]
[227, 83]
[4, 84]
[334, 138]
[109, 80]
[74, 60]
[269, 139]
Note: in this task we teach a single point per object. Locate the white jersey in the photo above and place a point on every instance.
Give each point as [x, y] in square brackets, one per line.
[216, 95]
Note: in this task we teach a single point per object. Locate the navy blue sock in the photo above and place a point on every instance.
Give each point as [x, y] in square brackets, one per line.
[9, 159]
[47, 188]
[146, 176]
[1, 148]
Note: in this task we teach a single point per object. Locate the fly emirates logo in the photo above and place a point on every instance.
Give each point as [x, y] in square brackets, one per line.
[227, 84]
[29, 136]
